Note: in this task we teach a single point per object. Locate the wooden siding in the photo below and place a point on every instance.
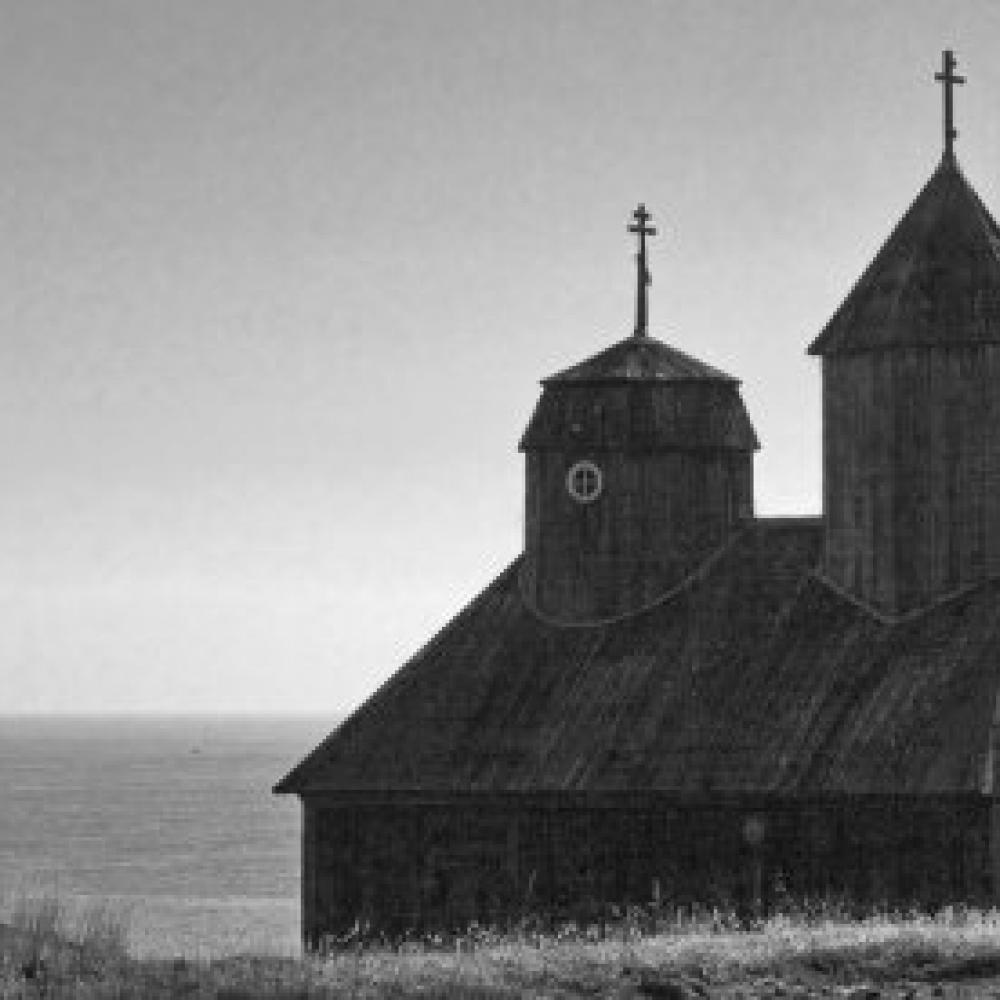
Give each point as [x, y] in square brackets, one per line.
[397, 865]
[309, 889]
[677, 465]
[657, 517]
[912, 472]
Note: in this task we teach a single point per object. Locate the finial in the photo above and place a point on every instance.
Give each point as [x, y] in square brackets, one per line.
[642, 230]
[948, 78]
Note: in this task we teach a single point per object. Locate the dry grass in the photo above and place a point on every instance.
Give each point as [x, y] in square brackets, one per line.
[50, 952]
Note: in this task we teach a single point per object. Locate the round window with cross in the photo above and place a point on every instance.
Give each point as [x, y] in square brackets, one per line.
[584, 482]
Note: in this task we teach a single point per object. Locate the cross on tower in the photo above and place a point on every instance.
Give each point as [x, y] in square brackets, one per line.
[948, 78]
[644, 279]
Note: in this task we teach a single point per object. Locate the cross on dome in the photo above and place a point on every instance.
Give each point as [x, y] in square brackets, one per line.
[644, 279]
[948, 78]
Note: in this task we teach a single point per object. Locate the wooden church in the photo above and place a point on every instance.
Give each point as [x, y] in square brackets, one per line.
[665, 695]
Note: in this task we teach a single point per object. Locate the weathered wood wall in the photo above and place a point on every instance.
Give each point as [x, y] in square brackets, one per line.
[912, 471]
[409, 864]
[676, 458]
[657, 517]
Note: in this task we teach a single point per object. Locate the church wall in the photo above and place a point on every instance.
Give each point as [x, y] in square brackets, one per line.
[309, 867]
[912, 471]
[658, 515]
[402, 864]
[857, 480]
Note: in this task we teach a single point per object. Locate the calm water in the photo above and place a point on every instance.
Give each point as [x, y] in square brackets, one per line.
[170, 820]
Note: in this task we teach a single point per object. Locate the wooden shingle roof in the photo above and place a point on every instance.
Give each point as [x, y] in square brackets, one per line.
[641, 416]
[753, 677]
[936, 280]
[640, 395]
[636, 358]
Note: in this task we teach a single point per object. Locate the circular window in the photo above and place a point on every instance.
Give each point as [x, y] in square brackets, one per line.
[584, 482]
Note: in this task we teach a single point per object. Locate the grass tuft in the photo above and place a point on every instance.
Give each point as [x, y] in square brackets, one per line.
[102, 932]
[41, 918]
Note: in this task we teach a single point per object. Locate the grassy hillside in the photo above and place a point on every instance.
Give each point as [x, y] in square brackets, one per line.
[957, 953]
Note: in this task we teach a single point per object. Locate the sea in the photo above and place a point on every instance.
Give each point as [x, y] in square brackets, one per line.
[166, 823]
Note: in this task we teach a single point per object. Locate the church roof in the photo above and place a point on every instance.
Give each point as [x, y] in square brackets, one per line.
[936, 280]
[639, 358]
[641, 416]
[640, 395]
[755, 676]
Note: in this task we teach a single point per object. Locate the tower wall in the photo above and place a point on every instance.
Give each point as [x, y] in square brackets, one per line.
[658, 515]
[912, 471]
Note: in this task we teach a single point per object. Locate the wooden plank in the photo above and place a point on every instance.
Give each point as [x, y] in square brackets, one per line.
[912, 472]
[657, 518]
[309, 874]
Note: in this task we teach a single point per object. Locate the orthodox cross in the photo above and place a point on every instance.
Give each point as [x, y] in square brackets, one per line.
[948, 78]
[644, 280]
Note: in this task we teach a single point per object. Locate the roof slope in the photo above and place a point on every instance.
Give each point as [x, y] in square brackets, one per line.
[936, 280]
[639, 358]
[756, 677]
[640, 395]
[641, 416]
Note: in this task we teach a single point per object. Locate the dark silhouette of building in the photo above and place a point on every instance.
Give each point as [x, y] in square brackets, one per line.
[664, 695]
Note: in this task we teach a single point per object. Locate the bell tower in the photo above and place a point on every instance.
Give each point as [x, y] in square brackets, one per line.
[638, 466]
[911, 401]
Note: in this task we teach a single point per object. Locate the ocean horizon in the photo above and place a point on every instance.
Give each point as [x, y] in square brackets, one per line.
[168, 819]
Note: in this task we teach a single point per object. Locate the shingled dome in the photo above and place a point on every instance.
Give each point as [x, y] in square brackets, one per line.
[935, 281]
[654, 396]
[640, 358]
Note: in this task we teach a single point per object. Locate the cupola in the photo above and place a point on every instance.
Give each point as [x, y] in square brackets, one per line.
[639, 465]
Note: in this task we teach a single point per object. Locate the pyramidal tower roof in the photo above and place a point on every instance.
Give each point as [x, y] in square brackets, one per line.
[936, 280]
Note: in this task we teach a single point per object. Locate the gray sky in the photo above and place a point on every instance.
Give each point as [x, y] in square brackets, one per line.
[278, 282]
